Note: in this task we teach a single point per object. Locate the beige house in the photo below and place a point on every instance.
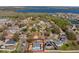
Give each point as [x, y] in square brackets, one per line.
[36, 37]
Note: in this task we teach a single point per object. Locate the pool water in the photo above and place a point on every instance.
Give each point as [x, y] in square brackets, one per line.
[36, 46]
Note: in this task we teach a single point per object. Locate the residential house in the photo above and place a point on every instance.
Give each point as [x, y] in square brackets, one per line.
[9, 44]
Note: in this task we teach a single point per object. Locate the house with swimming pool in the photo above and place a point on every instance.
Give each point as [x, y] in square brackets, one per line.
[8, 44]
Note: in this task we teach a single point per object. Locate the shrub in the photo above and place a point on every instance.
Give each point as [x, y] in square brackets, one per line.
[71, 35]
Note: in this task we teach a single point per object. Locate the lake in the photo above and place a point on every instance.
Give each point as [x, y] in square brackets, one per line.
[43, 9]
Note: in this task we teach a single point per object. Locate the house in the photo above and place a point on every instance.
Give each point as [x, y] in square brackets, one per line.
[1, 42]
[8, 45]
[37, 42]
[63, 36]
[53, 36]
[59, 43]
[8, 36]
[3, 21]
[61, 40]
[11, 44]
[74, 27]
[50, 44]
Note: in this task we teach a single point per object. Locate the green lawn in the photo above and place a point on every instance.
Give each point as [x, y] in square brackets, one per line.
[71, 45]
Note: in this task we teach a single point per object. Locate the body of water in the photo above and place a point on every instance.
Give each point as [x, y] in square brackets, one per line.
[37, 9]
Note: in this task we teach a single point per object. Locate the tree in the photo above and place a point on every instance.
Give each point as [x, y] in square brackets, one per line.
[24, 29]
[62, 23]
[33, 29]
[29, 40]
[71, 35]
[55, 30]
[16, 37]
[2, 28]
[2, 36]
